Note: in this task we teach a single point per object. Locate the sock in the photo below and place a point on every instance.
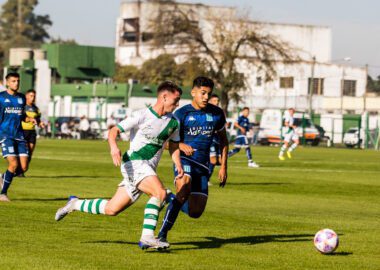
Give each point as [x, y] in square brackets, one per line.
[7, 177]
[18, 171]
[291, 148]
[152, 209]
[233, 152]
[94, 206]
[170, 217]
[185, 208]
[248, 153]
[211, 169]
[283, 148]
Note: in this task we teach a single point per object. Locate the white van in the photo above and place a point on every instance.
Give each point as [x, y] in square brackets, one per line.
[271, 127]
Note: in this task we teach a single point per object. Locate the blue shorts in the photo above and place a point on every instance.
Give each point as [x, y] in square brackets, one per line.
[14, 148]
[241, 141]
[199, 176]
[214, 149]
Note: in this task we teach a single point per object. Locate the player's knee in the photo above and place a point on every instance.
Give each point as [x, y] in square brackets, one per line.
[160, 194]
[24, 168]
[12, 167]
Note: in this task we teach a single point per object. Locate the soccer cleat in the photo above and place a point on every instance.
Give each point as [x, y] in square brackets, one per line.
[289, 154]
[281, 158]
[152, 242]
[68, 208]
[4, 198]
[209, 184]
[253, 164]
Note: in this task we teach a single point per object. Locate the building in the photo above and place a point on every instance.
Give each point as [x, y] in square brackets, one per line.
[315, 83]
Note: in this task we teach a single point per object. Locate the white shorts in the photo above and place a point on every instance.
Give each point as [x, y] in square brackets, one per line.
[291, 136]
[133, 173]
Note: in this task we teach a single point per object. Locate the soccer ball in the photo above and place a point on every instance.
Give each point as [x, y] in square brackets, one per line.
[326, 241]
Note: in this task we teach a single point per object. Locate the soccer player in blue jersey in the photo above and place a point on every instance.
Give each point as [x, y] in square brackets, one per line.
[242, 124]
[13, 144]
[198, 123]
[215, 147]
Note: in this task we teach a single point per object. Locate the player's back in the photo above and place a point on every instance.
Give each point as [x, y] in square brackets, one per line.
[197, 128]
[11, 115]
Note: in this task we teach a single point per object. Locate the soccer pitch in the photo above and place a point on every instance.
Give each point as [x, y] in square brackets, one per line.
[263, 219]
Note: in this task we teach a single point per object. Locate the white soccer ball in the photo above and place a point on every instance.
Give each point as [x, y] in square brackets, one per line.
[326, 241]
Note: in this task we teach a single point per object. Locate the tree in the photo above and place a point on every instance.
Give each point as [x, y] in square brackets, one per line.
[124, 73]
[60, 40]
[223, 46]
[21, 27]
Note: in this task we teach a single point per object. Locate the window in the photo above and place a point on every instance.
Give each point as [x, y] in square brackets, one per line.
[316, 87]
[286, 82]
[349, 88]
[259, 81]
[131, 30]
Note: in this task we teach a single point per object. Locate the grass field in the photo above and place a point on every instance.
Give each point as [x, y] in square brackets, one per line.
[263, 219]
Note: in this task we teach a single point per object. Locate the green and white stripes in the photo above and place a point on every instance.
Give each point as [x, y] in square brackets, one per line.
[151, 212]
[95, 206]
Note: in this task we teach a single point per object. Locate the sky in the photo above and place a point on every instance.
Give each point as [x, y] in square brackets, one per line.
[355, 24]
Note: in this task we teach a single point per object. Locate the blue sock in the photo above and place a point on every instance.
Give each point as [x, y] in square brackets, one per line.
[170, 217]
[248, 153]
[211, 168]
[7, 177]
[185, 208]
[233, 152]
[18, 171]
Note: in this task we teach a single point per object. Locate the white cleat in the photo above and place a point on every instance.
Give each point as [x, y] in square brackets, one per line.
[4, 198]
[152, 242]
[68, 208]
[253, 164]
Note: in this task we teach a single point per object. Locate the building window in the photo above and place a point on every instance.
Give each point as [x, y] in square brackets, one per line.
[131, 30]
[316, 87]
[286, 82]
[259, 81]
[349, 88]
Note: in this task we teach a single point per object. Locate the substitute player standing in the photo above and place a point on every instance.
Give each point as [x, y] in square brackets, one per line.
[150, 128]
[289, 136]
[198, 123]
[13, 144]
[32, 111]
[242, 124]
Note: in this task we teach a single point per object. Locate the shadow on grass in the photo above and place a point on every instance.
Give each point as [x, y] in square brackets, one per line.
[342, 253]
[214, 242]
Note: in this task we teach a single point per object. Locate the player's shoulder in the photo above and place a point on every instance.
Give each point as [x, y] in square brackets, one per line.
[3, 94]
[214, 109]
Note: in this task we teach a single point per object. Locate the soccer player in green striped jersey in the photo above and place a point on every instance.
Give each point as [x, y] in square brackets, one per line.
[149, 129]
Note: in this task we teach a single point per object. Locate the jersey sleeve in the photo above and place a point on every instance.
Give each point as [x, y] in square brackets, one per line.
[130, 122]
[175, 137]
[221, 123]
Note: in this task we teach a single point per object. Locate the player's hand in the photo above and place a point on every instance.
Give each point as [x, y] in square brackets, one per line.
[187, 149]
[242, 130]
[180, 171]
[116, 156]
[42, 125]
[222, 177]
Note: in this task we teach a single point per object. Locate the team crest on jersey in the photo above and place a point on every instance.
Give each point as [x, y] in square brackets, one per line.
[209, 117]
[191, 118]
[19, 100]
[7, 101]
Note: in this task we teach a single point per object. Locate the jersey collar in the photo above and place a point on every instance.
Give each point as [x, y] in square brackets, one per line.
[154, 112]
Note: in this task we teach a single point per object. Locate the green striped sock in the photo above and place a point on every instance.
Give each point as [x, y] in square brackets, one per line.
[151, 212]
[95, 206]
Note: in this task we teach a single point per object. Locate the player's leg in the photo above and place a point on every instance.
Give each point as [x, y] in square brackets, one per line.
[294, 145]
[10, 154]
[183, 189]
[32, 146]
[153, 187]
[248, 153]
[284, 146]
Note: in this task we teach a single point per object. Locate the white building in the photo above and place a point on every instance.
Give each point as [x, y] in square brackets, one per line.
[336, 88]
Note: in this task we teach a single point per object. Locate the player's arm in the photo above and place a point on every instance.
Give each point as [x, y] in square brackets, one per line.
[115, 151]
[224, 155]
[236, 125]
[175, 153]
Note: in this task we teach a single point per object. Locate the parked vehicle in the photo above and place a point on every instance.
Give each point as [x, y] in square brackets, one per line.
[271, 127]
[351, 138]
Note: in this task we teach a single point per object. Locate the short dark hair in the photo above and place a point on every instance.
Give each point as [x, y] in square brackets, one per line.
[30, 91]
[12, 74]
[245, 108]
[203, 81]
[169, 86]
[214, 96]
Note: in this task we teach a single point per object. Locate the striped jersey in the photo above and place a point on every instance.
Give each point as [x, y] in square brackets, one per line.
[290, 120]
[148, 134]
[32, 112]
[11, 115]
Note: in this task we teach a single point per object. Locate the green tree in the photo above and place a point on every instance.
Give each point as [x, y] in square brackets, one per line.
[124, 73]
[223, 46]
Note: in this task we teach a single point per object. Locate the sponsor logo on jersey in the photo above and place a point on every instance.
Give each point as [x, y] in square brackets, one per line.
[15, 110]
[209, 117]
[205, 130]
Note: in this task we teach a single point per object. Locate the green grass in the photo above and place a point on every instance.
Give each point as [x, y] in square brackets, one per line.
[263, 219]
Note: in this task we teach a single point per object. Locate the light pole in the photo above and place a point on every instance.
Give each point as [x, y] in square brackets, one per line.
[311, 86]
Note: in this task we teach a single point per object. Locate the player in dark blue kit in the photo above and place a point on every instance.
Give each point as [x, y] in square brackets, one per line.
[198, 123]
[13, 144]
[242, 124]
[215, 148]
